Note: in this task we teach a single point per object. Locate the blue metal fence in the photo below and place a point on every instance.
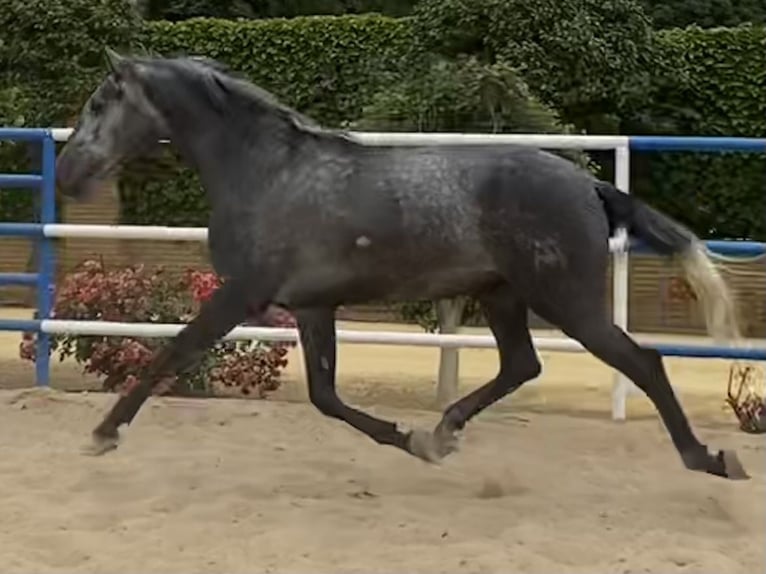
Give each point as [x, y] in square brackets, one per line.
[697, 143]
[45, 184]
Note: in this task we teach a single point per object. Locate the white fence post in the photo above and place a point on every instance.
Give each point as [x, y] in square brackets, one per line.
[448, 313]
[621, 266]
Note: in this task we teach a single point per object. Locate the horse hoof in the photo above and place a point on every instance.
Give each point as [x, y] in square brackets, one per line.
[447, 441]
[426, 446]
[101, 444]
[432, 446]
[423, 445]
[734, 468]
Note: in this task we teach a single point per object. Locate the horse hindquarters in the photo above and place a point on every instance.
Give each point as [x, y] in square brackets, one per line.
[570, 292]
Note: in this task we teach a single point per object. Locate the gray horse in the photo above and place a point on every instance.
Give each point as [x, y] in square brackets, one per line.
[309, 219]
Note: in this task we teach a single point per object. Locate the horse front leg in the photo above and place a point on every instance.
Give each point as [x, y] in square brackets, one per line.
[317, 334]
[220, 314]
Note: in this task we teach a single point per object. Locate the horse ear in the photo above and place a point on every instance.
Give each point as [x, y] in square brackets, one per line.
[122, 67]
[113, 59]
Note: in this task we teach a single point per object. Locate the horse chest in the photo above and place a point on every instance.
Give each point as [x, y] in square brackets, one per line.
[230, 245]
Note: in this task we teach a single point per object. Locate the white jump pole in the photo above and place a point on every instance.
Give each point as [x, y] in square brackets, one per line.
[621, 266]
[398, 338]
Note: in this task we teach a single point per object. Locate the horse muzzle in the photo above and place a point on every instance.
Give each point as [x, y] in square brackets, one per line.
[80, 175]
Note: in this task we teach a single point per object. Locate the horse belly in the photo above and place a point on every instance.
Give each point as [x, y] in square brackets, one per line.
[334, 285]
[444, 284]
[329, 286]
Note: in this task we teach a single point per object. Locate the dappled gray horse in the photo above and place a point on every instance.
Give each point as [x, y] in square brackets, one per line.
[309, 219]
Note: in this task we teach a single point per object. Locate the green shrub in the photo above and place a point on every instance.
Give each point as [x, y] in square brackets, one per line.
[175, 10]
[573, 56]
[51, 57]
[708, 83]
[704, 13]
[586, 58]
[326, 67]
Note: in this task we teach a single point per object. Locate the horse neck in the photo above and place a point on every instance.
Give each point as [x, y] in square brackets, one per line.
[223, 152]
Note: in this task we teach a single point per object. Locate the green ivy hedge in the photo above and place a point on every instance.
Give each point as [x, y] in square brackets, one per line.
[704, 82]
[709, 83]
[327, 67]
[51, 58]
[586, 58]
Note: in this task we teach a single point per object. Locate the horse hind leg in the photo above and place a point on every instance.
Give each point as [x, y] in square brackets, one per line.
[318, 339]
[507, 318]
[583, 317]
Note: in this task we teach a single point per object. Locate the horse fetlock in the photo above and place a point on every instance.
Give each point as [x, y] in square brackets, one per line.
[453, 420]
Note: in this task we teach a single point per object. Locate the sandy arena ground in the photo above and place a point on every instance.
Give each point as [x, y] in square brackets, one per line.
[544, 482]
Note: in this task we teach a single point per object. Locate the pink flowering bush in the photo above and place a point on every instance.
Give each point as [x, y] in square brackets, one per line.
[135, 294]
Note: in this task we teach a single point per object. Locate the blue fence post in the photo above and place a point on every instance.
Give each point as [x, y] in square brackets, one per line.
[45, 258]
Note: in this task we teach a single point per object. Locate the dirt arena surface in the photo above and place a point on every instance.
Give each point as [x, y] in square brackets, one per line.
[544, 482]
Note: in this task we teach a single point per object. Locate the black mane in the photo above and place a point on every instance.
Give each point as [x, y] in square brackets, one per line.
[214, 81]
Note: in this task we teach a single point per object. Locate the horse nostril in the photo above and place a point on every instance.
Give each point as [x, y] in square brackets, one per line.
[63, 176]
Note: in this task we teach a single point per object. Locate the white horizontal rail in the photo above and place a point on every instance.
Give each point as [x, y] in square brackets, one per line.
[153, 232]
[61, 134]
[388, 338]
[442, 138]
[115, 329]
[161, 233]
[529, 140]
